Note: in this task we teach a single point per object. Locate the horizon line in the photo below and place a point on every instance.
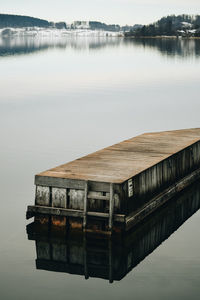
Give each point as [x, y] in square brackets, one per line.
[84, 20]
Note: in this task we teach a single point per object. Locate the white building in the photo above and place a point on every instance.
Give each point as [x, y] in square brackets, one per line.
[81, 24]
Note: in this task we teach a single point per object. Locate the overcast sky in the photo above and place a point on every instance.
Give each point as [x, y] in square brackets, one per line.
[109, 11]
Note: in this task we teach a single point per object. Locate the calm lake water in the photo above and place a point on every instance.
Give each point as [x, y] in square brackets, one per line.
[64, 98]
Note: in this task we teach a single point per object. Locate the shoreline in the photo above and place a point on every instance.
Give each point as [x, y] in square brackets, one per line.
[163, 37]
[52, 32]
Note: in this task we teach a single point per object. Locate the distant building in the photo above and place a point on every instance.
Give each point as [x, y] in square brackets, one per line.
[81, 25]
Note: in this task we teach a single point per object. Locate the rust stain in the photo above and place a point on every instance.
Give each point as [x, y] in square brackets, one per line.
[76, 224]
[42, 220]
[58, 221]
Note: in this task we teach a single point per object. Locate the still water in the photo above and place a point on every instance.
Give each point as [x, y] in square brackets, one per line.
[64, 98]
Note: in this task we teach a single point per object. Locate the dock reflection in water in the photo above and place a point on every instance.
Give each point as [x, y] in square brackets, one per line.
[61, 250]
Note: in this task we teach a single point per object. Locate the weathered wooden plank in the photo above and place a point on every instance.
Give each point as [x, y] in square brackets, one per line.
[59, 252]
[95, 195]
[43, 250]
[100, 186]
[125, 160]
[76, 199]
[160, 199]
[59, 182]
[85, 206]
[126, 175]
[127, 252]
[35, 209]
[59, 197]
[86, 273]
[110, 254]
[111, 208]
[129, 220]
[42, 196]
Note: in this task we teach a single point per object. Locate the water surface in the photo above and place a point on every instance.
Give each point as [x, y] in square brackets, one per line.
[64, 98]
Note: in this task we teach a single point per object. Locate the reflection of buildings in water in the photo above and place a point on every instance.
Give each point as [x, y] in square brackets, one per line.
[94, 43]
[26, 45]
[81, 24]
[60, 250]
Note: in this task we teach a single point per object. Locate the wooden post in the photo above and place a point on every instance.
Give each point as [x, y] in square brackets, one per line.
[85, 206]
[111, 207]
[85, 256]
[110, 261]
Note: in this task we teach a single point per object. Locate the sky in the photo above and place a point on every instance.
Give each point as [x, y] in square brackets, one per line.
[109, 11]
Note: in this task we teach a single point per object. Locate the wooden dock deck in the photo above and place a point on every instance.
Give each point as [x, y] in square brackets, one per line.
[127, 175]
[125, 160]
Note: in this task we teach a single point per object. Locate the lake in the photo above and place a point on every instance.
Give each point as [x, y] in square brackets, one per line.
[64, 98]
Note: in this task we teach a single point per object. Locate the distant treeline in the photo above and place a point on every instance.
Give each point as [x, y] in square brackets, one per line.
[102, 26]
[21, 21]
[113, 27]
[15, 21]
[185, 25]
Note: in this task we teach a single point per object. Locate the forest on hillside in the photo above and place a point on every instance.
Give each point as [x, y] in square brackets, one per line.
[184, 25]
[15, 21]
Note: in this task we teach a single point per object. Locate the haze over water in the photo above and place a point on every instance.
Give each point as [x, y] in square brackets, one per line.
[63, 98]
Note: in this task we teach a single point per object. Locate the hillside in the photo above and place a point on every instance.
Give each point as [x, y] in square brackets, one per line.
[16, 21]
[182, 25]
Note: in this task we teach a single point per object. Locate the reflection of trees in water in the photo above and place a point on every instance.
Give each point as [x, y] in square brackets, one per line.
[168, 46]
[16, 46]
[26, 45]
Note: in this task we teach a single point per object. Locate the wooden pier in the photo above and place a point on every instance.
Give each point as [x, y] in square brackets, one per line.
[117, 187]
[61, 250]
